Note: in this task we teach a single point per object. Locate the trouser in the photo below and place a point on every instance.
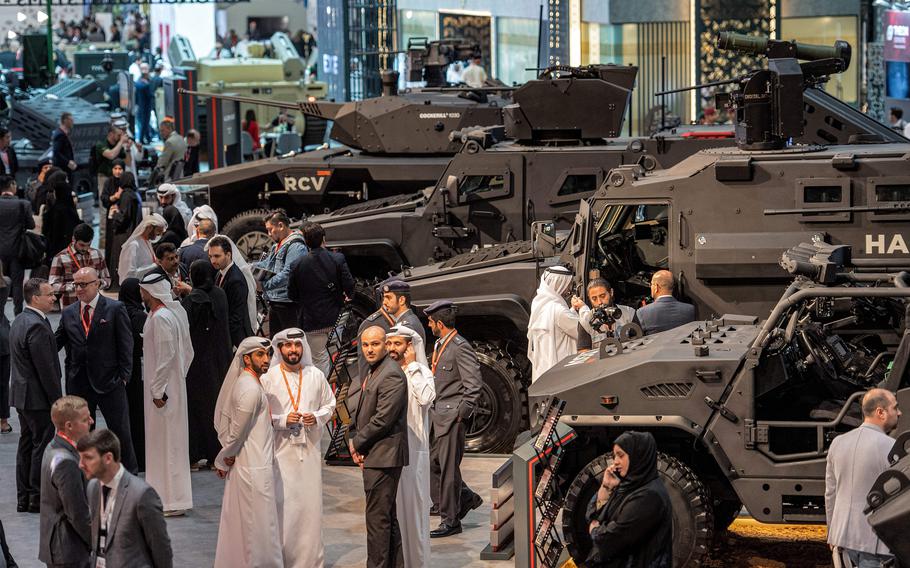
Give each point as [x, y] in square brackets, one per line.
[383, 534]
[447, 490]
[4, 386]
[13, 268]
[135, 398]
[37, 431]
[861, 559]
[115, 408]
[317, 343]
[102, 212]
[282, 315]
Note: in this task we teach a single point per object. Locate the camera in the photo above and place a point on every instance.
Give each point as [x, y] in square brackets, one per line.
[605, 315]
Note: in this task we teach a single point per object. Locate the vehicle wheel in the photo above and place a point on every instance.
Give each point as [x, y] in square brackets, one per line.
[693, 523]
[725, 512]
[247, 230]
[501, 410]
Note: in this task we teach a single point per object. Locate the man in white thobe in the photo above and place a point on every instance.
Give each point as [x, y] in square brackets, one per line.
[167, 353]
[137, 257]
[413, 500]
[301, 403]
[553, 325]
[248, 532]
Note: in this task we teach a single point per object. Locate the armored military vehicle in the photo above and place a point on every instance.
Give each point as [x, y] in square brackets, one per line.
[719, 220]
[743, 412]
[392, 145]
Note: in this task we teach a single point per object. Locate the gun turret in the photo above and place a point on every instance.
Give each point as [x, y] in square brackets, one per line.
[767, 104]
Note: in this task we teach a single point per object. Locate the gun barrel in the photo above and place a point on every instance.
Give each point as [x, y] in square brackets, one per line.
[762, 45]
[320, 109]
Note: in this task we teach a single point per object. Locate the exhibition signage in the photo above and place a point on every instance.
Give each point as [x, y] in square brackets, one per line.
[896, 35]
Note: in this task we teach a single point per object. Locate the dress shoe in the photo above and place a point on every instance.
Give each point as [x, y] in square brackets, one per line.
[34, 508]
[466, 508]
[175, 513]
[444, 530]
[22, 507]
[6, 428]
[434, 511]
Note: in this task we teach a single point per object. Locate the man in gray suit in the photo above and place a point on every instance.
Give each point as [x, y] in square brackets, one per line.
[458, 385]
[855, 460]
[379, 445]
[128, 526]
[665, 312]
[34, 386]
[65, 518]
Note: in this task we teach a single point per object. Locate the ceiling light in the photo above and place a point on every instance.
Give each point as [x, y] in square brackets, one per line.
[21, 17]
[11, 34]
[42, 17]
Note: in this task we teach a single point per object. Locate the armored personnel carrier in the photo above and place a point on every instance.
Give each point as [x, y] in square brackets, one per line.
[743, 412]
[719, 220]
[390, 146]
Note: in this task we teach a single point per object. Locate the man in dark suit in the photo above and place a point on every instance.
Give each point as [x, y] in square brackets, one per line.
[318, 283]
[232, 281]
[65, 538]
[63, 155]
[128, 526]
[190, 253]
[9, 163]
[665, 312]
[34, 386]
[96, 333]
[15, 218]
[379, 445]
[458, 386]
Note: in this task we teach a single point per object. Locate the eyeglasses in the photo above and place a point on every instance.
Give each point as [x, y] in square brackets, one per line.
[83, 285]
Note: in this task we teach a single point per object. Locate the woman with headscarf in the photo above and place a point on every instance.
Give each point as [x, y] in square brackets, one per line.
[60, 218]
[110, 195]
[206, 308]
[553, 325]
[124, 216]
[630, 519]
[175, 233]
[132, 299]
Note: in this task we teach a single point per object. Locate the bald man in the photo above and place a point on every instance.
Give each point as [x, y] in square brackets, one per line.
[855, 460]
[96, 333]
[379, 445]
[665, 312]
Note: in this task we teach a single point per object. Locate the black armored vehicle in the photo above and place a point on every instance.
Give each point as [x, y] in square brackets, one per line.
[719, 220]
[743, 412]
[390, 145]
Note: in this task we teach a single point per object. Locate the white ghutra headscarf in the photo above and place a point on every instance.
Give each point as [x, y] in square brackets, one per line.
[547, 344]
[223, 407]
[199, 213]
[402, 330]
[291, 334]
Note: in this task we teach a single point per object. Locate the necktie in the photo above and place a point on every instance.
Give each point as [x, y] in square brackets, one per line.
[221, 280]
[87, 318]
[105, 493]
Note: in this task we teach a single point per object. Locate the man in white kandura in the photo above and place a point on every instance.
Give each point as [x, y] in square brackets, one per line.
[137, 257]
[553, 325]
[248, 534]
[413, 500]
[167, 354]
[301, 403]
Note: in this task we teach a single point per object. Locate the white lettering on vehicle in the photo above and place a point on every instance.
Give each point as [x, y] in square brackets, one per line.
[876, 244]
[304, 183]
[439, 115]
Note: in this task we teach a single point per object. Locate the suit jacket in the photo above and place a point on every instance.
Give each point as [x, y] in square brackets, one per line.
[62, 149]
[666, 312]
[104, 358]
[15, 217]
[65, 518]
[458, 385]
[13, 162]
[35, 383]
[237, 291]
[137, 535]
[193, 252]
[4, 322]
[316, 283]
[380, 427]
[410, 319]
[855, 460]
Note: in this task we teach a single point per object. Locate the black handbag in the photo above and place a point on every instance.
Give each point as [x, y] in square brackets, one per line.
[32, 248]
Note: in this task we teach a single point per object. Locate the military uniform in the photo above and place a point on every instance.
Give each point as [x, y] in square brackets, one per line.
[410, 319]
[458, 384]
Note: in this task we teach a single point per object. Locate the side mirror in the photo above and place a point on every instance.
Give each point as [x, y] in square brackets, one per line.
[543, 235]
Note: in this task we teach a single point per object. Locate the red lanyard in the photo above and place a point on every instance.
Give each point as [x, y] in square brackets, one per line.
[437, 356]
[67, 438]
[294, 404]
[72, 254]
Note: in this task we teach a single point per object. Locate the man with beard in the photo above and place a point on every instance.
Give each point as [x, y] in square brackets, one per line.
[553, 325]
[396, 301]
[248, 531]
[413, 501]
[301, 403]
[379, 445]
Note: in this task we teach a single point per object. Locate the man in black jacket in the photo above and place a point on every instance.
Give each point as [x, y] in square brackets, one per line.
[319, 283]
[66, 523]
[64, 157]
[231, 280]
[379, 445]
[15, 219]
[35, 385]
[99, 356]
[9, 163]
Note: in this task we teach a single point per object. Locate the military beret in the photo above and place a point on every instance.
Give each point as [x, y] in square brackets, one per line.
[395, 286]
[439, 306]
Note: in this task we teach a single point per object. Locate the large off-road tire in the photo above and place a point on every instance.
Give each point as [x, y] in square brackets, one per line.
[501, 412]
[247, 230]
[693, 522]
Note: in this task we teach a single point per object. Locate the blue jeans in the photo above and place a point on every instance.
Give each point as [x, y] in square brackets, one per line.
[865, 559]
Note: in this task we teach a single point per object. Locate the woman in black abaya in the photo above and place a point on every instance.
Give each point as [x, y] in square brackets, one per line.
[207, 308]
[630, 518]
